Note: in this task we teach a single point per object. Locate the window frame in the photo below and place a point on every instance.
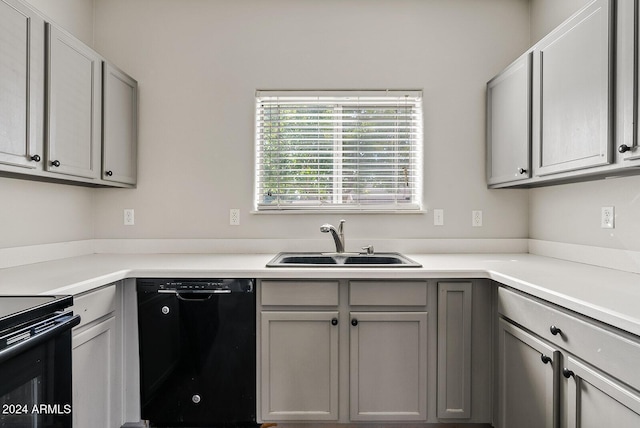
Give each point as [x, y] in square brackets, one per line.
[340, 100]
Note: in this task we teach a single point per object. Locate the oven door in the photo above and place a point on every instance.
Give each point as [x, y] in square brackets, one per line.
[35, 391]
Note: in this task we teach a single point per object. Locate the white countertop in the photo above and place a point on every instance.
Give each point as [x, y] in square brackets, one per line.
[608, 295]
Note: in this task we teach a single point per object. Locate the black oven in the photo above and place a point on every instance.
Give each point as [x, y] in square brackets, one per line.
[35, 361]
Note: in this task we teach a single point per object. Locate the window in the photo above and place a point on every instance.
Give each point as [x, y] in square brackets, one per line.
[346, 151]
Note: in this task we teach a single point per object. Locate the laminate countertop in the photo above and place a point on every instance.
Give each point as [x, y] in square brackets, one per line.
[607, 295]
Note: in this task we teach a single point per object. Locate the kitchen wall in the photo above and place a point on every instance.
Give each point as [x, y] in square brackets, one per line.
[571, 213]
[39, 213]
[199, 63]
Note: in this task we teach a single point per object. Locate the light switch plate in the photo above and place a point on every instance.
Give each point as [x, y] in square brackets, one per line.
[438, 217]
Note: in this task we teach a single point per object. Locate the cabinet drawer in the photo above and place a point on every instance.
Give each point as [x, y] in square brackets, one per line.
[299, 293]
[616, 353]
[388, 293]
[95, 304]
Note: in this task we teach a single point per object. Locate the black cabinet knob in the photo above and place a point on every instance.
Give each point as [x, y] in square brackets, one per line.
[545, 359]
[55, 163]
[567, 373]
[334, 321]
[522, 171]
[555, 330]
[354, 322]
[108, 173]
[623, 148]
[36, 158]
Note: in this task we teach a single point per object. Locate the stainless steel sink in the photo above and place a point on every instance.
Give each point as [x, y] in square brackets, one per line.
[377, 260]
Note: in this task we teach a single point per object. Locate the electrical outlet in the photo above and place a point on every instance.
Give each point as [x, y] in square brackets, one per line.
[234, 217]
[476, 218]
[129, 219]
[607, 218]
[438, 217]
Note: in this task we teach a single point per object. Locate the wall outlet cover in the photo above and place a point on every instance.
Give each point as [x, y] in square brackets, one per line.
[607, 218]
[234, 217]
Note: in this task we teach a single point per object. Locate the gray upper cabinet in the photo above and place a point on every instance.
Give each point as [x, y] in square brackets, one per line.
[572, 84]
[509, 123]
[74, 112]
[120, 133]
[21, 85]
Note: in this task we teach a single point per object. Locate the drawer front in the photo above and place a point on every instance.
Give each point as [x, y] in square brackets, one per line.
[613, 353]
[388, 293]
[299, 293]
[95, 304]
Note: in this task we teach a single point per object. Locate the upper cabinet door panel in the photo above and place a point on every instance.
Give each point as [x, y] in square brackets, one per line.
[120, 131]
[573, 77]
[74, 106]
[509, 123]
[21, 84]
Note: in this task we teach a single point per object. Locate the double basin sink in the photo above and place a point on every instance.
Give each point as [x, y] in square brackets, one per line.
[342, 260]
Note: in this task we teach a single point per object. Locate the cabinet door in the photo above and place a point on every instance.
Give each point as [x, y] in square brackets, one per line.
[96, 389]
[595, 401]
[527, 382]
[573, 90]
[299, 365]
[509, 123]
[454, 350]
[74, 100]
[120, 126]
[21, 84]
[388, 371]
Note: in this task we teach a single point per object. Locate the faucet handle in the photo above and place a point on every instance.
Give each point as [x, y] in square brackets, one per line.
[368, 250]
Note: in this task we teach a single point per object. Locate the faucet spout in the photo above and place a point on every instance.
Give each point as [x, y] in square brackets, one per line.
[337, 234]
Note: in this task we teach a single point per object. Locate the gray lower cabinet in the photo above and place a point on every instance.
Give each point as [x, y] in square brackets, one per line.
[388, 366]
[21, 85]
[527, 377]
[299, 361]
[96, 361]
[74, 94]
[564, 370]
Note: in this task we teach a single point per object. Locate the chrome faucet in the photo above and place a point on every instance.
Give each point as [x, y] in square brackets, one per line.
[338, 235]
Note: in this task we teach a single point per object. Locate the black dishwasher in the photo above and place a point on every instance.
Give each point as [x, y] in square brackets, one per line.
[197, 342]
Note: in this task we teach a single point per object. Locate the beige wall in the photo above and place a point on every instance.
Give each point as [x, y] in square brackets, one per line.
[571, 213]
[40, 213]
[199, 63]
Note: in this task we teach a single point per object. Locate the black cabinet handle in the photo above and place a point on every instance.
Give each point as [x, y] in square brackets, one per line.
[567, 373]
[36, 158]
[522, 171]
[555, 330]
[623, 148]
[55, 163]
[354, 322]
[545, 359]
[108, 173]
[334, 321]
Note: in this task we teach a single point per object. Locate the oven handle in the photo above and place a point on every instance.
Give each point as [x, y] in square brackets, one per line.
[39, 338]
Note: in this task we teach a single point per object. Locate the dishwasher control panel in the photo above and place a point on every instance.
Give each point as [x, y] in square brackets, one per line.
[196, 285]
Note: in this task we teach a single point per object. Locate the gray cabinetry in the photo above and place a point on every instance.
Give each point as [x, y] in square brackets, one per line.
[388, 366]
[74, 82]
[119, 132]
[526, 380]
[509, 123]
[299, 377]
[454, 349]
[587, 361]
[21, 85]
[299, 334]
[572, 81]
[96, 365]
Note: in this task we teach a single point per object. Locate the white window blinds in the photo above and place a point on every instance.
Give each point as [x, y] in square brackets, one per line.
[338, 151]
